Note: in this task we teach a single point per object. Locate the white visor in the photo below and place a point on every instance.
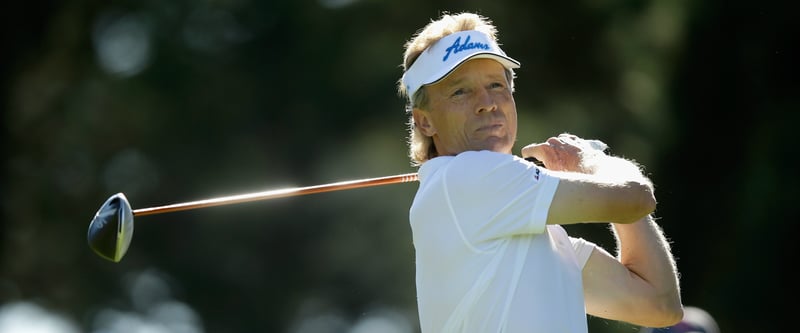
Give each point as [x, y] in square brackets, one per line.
[441, 58]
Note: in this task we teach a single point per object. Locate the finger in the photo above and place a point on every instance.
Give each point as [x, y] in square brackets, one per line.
[535, 150]
[545, 153]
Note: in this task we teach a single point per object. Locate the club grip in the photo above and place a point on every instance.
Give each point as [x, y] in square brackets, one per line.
[535, 161]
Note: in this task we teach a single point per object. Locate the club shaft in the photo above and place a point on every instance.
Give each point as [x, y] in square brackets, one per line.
[279, 193]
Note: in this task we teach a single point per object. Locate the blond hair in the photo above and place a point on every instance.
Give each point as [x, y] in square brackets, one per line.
[421, 147]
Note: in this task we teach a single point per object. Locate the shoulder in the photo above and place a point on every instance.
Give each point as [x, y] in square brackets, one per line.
[487, 162]
[482, 168]
[470, 162]
[485, 157]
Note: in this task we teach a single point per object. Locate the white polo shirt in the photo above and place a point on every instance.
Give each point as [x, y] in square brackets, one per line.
[485, 260]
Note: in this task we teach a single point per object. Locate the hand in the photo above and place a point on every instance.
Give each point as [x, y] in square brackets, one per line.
[565, 152]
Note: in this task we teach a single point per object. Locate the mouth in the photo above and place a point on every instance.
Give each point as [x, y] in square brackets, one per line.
[490, 127]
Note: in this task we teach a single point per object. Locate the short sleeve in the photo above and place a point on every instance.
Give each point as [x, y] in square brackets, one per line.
[583, 249]
[494, 195]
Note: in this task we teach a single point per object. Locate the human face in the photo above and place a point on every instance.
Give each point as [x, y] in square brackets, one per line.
[470, 109]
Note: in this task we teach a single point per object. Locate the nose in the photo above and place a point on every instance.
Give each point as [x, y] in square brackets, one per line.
[485, 101]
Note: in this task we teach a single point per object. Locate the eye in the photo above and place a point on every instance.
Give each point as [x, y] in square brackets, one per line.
[497, 84]
[458, 92]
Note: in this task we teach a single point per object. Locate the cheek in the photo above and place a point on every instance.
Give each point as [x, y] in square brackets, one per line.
[448, 126]
[444, 116]
[510, 111]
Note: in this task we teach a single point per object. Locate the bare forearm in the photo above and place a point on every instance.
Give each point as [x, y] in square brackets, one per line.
[615, 169]
[644, 250]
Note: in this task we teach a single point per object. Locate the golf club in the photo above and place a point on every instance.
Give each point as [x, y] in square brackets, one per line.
[111, 229]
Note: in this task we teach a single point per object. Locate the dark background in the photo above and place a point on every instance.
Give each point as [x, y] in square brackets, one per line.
[171, 101]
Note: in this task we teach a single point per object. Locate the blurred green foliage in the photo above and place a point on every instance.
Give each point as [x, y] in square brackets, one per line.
[182, 100]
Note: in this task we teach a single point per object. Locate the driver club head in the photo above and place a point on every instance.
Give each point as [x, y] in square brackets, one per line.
[111, 229]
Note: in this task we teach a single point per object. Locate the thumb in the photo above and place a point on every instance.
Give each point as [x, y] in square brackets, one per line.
[535, 150]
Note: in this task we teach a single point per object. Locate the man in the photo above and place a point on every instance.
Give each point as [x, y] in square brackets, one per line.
[491, 254]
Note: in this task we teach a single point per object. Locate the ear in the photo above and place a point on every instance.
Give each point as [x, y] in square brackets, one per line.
[422, 121]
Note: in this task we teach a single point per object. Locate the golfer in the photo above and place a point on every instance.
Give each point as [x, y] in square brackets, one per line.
[491, 252]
